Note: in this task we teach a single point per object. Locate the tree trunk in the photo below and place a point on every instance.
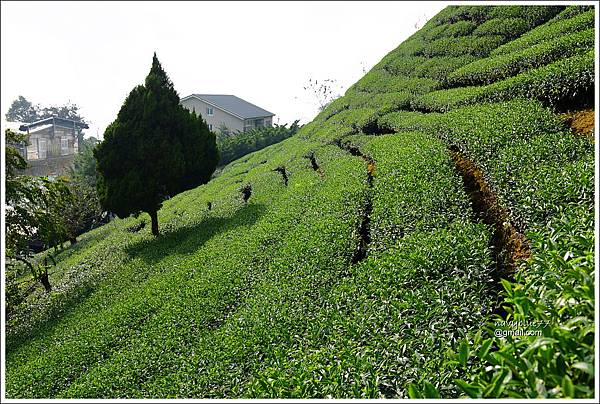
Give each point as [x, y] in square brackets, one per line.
[44, 280]
[154, 217]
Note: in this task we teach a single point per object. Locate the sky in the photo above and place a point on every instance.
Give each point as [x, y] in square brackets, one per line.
[94, 53]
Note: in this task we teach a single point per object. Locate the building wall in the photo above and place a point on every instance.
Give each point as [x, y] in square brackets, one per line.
[54, 147]
[254, 123]
[52, 167]
[219, 117]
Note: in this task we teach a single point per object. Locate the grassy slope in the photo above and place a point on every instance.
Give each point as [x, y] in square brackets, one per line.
[269, 298]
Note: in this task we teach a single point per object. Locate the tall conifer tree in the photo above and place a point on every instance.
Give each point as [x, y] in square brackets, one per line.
[153, 150]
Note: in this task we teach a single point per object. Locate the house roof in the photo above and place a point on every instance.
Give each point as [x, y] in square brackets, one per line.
[232, 104]
[69, 123]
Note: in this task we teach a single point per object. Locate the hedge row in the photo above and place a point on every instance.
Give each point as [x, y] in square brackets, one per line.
[549, 31]
[383, 102]
[459, 28]
[461, 46]
[556, 84]
[509, 28]
[379, 81]
[453, 14]
[534, 15]
[432, 68]
[572, 11]
[489, 70]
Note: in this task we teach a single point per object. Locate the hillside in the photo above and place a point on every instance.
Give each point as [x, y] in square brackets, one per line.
[377, 252]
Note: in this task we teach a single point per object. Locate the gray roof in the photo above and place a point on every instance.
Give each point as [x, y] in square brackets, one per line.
[69, 123]
[233, 104]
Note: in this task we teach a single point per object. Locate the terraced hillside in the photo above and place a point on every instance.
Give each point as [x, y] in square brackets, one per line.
[373, 254]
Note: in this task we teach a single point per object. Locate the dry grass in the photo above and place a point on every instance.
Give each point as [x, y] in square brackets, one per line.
[581, 122]
[507, 238]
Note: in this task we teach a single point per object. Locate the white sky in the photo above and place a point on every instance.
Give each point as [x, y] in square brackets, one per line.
[94, 53]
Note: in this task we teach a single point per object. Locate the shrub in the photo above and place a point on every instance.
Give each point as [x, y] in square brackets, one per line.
[239, 144]
[461, 46]
[439, 68]
[485, 71]
[572, 11]
[404, 66]
[453, 14]
[379, 81]
[354, 118]
[459, 28]
[533, 15]
[384, 102]
[508, 28]
[557, 84]
[549, 31]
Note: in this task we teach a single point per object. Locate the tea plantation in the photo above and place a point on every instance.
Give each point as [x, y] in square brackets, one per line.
[394, 247]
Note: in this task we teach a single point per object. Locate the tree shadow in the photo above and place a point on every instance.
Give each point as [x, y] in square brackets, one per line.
[182, 240]
[187, 239]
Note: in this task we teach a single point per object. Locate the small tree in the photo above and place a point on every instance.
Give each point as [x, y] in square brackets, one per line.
[81, 212]
[34, 209]
[153, 150]
[84, 169]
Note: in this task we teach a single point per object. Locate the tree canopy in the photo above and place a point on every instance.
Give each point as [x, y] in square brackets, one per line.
[35, 206]
[22, 110]
[154, 150]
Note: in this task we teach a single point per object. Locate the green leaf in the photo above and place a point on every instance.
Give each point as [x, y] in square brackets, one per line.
[470, 389]
[585, 367]
[463, 353]
[485, 348]
[538, 343]
[431, 391]
[498, 382]
[567, 387]
[413, 391]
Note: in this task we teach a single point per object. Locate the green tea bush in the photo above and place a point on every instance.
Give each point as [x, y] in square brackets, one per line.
[415, 188]
[491, 69]
[361, 353]
[572, 11]
[504, 140]
[559, 362]
[453, 14]
[355, 118]
[549, 31]
[384, 102]
[508, 28]
[404, 66]
[461, 46]
[407, 121]
[533, 15]
[459, 28]
[439, 68]
[379, 81]
[556, 84]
